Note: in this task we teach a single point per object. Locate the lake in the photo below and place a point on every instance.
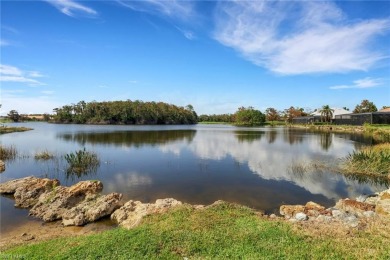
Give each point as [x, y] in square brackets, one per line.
[198, 164]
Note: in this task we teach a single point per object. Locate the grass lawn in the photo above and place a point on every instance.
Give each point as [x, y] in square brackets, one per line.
[224, 231]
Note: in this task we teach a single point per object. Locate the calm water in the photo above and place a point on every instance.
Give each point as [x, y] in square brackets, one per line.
[195, 164]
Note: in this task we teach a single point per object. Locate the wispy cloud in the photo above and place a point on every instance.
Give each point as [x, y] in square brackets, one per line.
[35, 74]
[47, 92]
[72, 8]
[13, 74]
[361, 83]
[190, 35]
[172, 8]
[298, 37]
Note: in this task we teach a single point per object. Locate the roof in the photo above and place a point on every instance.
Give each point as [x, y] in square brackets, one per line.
[336, 112]
[385, 110]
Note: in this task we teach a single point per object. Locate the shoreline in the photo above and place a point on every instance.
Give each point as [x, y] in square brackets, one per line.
[347, 214]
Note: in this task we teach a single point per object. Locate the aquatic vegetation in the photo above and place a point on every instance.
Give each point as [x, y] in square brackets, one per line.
[44, 155]
[82, 161]
[373, 160]
[7, 153]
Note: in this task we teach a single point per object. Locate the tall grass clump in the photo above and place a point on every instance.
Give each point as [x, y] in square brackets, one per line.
[82, 161]
[374, 161]
[45, 155]
[8, 153]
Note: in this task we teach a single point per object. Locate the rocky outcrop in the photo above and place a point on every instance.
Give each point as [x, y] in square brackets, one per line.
[91, 209]
[52, 205]
[28, 190]
[347, 211]
[75, 205]
[131, 214]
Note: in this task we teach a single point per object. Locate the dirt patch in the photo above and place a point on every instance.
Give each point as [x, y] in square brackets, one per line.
[35, 231]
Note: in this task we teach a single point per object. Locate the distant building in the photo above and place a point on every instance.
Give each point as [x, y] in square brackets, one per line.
[345, 117]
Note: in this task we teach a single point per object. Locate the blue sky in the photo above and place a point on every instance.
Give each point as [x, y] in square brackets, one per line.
[215, 55]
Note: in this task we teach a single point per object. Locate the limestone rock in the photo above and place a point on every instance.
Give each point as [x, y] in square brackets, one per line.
[27, 190]
[52, 205]
[27, 195]
[300, 216]
[91, 209]
[290, 211]
[131, 214]
[383, 203]
[354, 207]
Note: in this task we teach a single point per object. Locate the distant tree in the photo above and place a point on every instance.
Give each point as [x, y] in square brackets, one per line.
[346, 108]
[14, 115]
[272, 114]
[326, 113]
[365, 106]
[384, 107]
[290, 113]
[249, 117]
[46, 117]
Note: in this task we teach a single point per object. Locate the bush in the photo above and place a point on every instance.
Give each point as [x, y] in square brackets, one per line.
[82, 161]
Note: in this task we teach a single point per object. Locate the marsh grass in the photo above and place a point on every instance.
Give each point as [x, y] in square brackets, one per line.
[81, 162]
[8, 152]
[374, 161]
[44, 155]
[316, 166]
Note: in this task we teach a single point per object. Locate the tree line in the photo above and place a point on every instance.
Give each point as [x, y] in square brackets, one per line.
[125, 112]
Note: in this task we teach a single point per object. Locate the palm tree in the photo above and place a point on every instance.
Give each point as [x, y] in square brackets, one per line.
[326, 113]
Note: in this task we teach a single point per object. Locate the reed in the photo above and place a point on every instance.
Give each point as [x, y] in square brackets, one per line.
[82, 161]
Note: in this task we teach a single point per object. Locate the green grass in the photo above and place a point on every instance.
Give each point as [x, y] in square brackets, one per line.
[44, 155]
[214, 123]
[8, 152]
[225, 231]
[372, 161]
[82, 161]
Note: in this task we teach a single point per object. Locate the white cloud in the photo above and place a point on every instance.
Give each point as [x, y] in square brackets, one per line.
[72, 8]
[173, 8]
[13, 74]
[35, 74]
[298, 37]
[361, 83]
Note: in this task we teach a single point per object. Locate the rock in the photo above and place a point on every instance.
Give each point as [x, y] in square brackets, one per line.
[27, 195]
[352, 221]
[91, 209]
[289, 211]
[323, 218]
[354, 207]
[337, 213]
[27, 190]
[300, 216]
[131, 214]
[369, 214]
[272, 216]
[362, 198]
[2, 166]
[383, 203]
[52, 205]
